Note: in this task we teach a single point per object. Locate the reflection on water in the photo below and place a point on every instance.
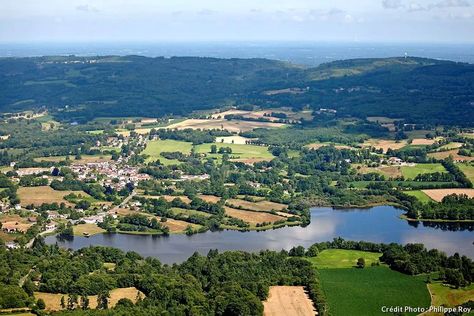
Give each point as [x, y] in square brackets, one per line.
[377, 224]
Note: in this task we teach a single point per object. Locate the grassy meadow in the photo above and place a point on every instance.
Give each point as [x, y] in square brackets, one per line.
[352, 291]
[155, 147]
[421, 168]
[339, 258]
[420, 195]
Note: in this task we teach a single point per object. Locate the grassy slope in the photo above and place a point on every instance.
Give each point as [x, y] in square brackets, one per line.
[445, 295]
[468, 170]
[363, 292]
[155, 147]
[412, 172]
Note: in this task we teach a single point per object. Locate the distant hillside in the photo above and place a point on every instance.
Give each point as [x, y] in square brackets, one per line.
[417, 89]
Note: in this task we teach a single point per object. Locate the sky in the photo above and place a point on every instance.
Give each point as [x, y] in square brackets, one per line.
[448, 21]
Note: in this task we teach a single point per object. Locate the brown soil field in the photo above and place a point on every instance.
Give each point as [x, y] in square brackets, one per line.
[384, 144]
[6, 237]
[170, 198]
[177, 226]
[257, 206]
[422, 141]
[40, 195]
[123, 211]
[229, 112]
[231, 126]
[439, 194]
[388, 171]
[453, 153]
[252, 217]
[53, 301]
[288, 301]
[315, 145]
[209, 198]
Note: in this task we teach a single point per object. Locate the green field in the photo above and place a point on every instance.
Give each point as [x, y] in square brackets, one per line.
[239, 151]
[468, 170]
[363, 292]
[448, 296]
[339, 258]
[177, 210]
[420, 195]
[155, 147]
[412, 172]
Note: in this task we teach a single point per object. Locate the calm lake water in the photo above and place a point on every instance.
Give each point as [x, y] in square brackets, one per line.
[377, 224]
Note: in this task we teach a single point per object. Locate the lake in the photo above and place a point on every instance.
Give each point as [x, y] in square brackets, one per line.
[376, 224]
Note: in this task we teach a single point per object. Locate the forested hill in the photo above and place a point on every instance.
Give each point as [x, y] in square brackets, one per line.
[417, 89]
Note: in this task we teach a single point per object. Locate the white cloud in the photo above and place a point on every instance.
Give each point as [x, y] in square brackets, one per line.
[392, 4]
[87, 8]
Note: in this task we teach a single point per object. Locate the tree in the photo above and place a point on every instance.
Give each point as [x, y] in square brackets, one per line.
[313, 251]
[361, 263]
[454, 277]
[84, 302]
[72, 301]
[297, 251]
[124, 302]
[213, 149]
[40, 304]
[103, 300]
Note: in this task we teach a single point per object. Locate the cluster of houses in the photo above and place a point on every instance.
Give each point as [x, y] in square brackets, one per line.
[109, 173]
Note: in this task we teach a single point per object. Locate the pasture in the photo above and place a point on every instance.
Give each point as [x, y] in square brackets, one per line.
[91, 229]
[468, 170]
[352, 291]
[340, 258]
[169, 198]
[176, 226]
[84, 159]
[289, 301]
[448, 296]
[410, 172]
[155, 147]
[233, 140]
[386, 170]
[420, 195]
[253, 218]
[422, 142]
[53, 301]
[384, 144]
[209, 198]
[242, 152]
[439, 194]
[45, 194]
[260, 206]
[187, 212]
[453, 153]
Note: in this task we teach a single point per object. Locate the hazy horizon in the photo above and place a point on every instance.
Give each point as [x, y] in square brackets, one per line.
[303, 52]
[414, 21]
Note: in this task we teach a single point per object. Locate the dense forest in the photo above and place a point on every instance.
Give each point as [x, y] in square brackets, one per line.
[81, 88]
